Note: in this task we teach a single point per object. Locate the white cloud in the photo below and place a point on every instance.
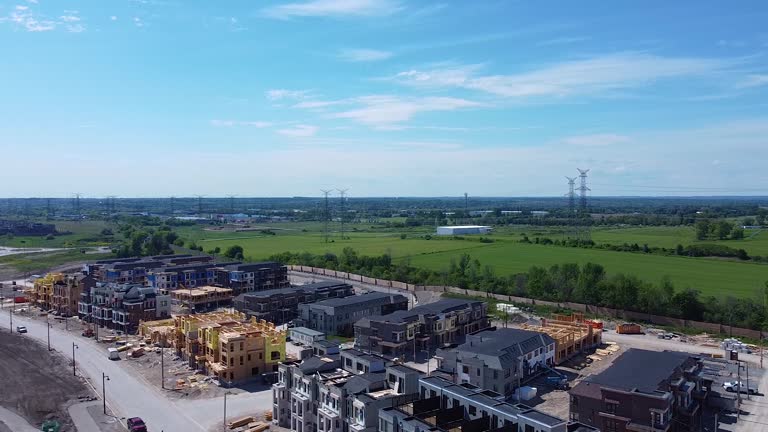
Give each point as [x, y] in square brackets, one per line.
[21, 8]
[754, 81]
[563, 41]
[596, 140]
[75, 28]
[333, 8]
[69, 18]
[317, 104]
[387, 112]
[231, 123]
[281, 94]
[138, 22]
[364, 55]
[113, 18]
[32, 1]
[590, 76]
[299, 131]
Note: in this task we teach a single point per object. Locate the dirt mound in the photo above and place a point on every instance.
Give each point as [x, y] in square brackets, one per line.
[36, 384]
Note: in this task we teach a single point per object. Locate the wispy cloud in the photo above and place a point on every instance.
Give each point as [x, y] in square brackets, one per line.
[596, 140]
[388, 112]
[315, 104]
[589, 76]
[283, 94]
[299, 131]
[564, 41]
[138, 22]
[30, 20]
[113, 18]
[364, 55]
[754, 81]
[333, 8]
[231, 123]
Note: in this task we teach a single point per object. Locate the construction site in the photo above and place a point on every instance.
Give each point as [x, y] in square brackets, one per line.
[226, 345]
[572, 334]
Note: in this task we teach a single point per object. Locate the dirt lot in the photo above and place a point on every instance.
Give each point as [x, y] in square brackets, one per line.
[38, 386]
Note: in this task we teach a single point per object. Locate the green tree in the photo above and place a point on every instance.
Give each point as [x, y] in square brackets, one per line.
[724, 229]
[702, 229]
[737, 233]
[234, 252]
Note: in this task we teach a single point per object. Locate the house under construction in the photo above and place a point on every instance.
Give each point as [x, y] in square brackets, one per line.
[572, 334]
[228, 345]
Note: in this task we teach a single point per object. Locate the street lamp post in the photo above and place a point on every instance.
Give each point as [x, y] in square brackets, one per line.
[49, 325]
[225, 409]
[104, 379]
[162, 367]
[428, 359]
[74, 345]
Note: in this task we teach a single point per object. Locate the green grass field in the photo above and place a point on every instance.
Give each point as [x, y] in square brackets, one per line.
[85, 233]
[755, 242]
[507, 256]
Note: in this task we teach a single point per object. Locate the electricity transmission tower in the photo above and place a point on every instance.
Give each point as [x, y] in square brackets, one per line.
[583, 189]
[199, 205]
[571, 206]
[231, 204]
[76, 204]
[326, 216]
[342, 192]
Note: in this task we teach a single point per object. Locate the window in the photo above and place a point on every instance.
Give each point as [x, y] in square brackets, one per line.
[495, 375]
[261, 355]
[241, 360]
[610, 407]
[249, 357]
[465, 369]
[275, 355]
[478, 371]
[472, 410]
[609, 425]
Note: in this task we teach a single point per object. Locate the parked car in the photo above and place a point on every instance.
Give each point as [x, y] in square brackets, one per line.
[21, 329]
[741, 387]
[136, 424]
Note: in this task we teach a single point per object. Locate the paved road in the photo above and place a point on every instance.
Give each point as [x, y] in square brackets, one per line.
[15, 422]
[127, 395]
[82, 418]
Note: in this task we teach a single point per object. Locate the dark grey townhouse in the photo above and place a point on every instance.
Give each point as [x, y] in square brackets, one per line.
[498, 359]
[338, 316]
[280, 306]
[405, 334]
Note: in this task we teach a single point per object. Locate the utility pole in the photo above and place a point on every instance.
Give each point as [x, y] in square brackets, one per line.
[199, 204]
[326, 217]
[49, 334]
[466, 206]
[342, 192]
[104, 378]
[74, 372]
[173, 206]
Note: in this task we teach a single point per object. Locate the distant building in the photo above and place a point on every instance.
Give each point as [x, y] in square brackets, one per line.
[498, 359]
[511, 212]
[280, 306]
[338, 316]
[403, 334]
[539, 212]
[644, 391]
[480, 213]
[463, 230]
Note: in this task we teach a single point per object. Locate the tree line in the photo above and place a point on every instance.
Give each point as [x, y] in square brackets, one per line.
[589, 284]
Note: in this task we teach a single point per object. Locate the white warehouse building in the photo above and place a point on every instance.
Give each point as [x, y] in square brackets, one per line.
[463, 230]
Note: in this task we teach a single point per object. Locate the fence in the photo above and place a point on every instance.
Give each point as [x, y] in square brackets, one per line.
[579, 307]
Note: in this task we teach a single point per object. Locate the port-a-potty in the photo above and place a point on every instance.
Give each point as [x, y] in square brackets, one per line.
[50, 426]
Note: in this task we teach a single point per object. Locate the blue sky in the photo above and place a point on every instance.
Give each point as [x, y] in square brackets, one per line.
[384, 97]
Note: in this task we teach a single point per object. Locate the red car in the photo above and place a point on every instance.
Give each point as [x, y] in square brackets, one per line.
[136, 424]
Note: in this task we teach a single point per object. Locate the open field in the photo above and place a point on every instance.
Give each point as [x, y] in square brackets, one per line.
[85, 233]
[710, 276]
[12, 265]
[755, 241]
[507, 255]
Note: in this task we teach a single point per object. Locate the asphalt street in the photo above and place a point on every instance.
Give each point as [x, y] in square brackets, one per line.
[129, 395]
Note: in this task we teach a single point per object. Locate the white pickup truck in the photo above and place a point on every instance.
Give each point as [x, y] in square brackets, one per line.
[740, 386]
